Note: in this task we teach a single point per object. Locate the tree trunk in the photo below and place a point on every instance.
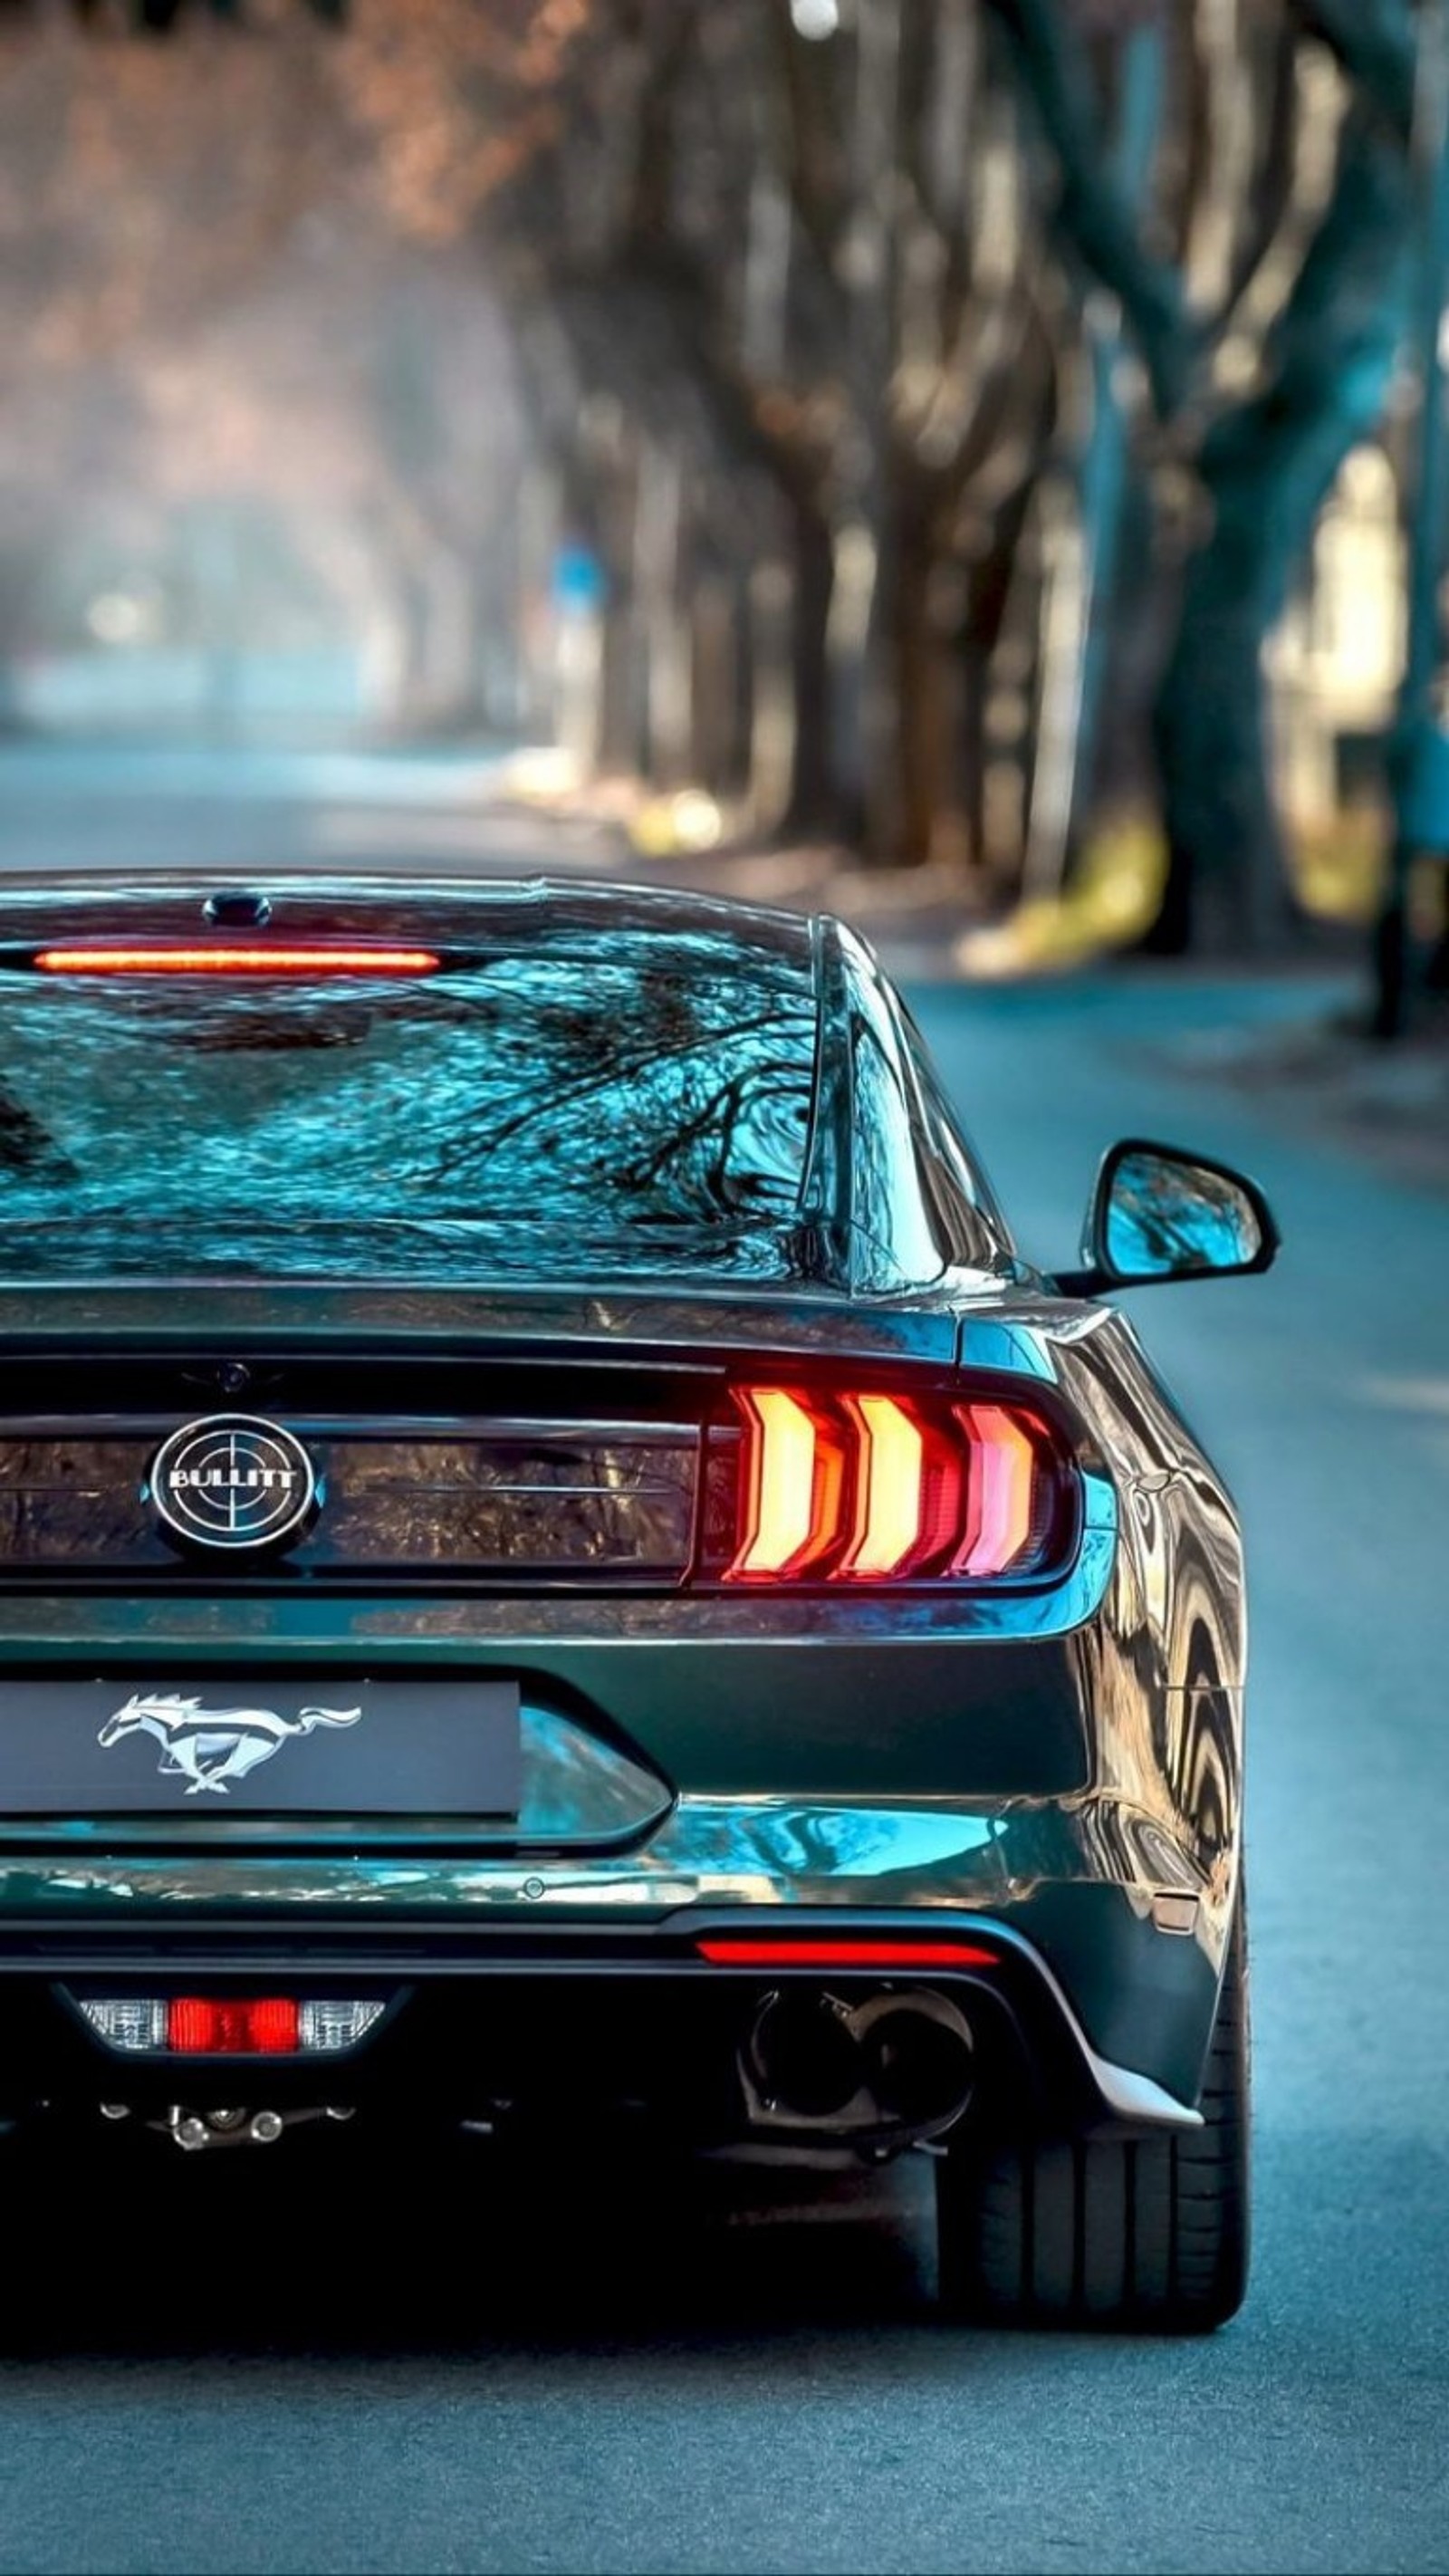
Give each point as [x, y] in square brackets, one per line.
[931, 820]
[980, 624]
[865, 678]
[1267, 471]
[620, 747]
[712, 682]
[814, 804]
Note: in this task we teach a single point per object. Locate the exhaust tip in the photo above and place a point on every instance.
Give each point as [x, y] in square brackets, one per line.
[804, 2057]
[894, 2065]
[919, 2063]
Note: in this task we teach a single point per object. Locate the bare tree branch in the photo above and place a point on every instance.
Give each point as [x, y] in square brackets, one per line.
[1092, 215]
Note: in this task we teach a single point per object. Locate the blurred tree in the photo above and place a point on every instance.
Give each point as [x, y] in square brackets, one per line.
[952, 390]
[143, 187]
[165, 17]
[820, 271]
[776, 261]
[204, 326]
[1267, 434]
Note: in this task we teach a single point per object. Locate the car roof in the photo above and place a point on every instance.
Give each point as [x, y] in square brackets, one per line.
[169, 902]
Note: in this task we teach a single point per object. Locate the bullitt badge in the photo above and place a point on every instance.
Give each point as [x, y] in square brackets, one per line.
[233, 1483]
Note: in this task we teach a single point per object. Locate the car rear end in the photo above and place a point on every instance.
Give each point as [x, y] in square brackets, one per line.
[691, 1690]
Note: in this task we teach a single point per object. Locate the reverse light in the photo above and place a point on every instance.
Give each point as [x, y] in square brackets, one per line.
[229, 957]
[741, 1950]
[135, 2023]
[869, 1486]
[229, 2025]
[333, 2024]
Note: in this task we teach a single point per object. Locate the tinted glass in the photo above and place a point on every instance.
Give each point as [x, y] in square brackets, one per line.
[915, 1199]
[967, 1217]
[888, 1203]
[656, 1086]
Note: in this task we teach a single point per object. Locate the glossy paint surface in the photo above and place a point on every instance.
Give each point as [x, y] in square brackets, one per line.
[1055, 1756]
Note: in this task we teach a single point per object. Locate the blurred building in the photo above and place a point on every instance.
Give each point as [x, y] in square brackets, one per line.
[1337, 660]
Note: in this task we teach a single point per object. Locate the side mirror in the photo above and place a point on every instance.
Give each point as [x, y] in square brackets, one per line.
[1158, 1214]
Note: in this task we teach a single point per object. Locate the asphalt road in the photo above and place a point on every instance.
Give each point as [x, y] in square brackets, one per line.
[322, 2363]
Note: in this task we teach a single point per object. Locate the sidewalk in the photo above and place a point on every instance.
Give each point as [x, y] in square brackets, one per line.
[1303, 1061]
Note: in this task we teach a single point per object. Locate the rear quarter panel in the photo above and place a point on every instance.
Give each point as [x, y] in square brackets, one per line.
[1161, 1666]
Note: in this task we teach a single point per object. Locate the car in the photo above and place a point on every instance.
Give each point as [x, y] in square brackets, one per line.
[558, 1565]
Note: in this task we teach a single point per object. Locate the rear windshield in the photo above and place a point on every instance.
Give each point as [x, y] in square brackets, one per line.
[664, 1086]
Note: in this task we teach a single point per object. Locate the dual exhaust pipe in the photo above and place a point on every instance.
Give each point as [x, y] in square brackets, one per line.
[895, 2066]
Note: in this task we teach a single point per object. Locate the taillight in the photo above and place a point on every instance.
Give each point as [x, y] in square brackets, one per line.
[230, 2025]
[868, 1485]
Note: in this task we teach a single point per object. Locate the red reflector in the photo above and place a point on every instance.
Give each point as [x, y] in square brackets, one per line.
[227, 958]
[232, 2026]
[729, 1950]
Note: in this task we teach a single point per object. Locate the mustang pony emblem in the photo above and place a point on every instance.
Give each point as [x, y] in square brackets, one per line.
[207, 1747]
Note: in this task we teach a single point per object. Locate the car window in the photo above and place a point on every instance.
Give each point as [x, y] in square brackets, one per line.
[913, 1189]
[658, 1084]
[968, 1218]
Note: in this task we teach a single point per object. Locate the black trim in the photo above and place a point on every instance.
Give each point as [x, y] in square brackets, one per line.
[426, 2047]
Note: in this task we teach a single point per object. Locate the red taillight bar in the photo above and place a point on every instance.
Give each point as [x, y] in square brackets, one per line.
[226, 957]
[866, 1486]
[738, 1950]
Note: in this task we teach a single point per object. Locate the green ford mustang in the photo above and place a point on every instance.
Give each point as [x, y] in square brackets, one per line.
[552, 1551]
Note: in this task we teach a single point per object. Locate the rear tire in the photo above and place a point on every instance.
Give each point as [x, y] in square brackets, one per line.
[1149, 2236]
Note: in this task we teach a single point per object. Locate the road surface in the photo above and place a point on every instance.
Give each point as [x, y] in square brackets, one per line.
[306, 2364]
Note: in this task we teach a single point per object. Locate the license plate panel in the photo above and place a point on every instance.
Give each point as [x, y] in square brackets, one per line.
[268, 1747]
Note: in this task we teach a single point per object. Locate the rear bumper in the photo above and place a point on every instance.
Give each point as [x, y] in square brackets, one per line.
[546, 2021]
[1094, 1904]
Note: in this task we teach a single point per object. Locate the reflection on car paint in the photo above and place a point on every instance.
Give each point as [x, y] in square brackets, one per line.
[1083, 1759]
